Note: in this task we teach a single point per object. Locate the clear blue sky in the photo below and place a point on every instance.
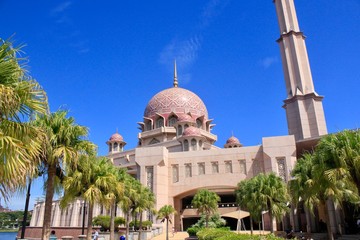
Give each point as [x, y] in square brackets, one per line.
[104, 60]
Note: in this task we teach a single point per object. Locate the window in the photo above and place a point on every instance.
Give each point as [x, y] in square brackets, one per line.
[281, 168]
[179, 130]
[148, 125]
[228, 167]
[201, 168]
[159, 122]
[188, 171]
[172, 120]
[186, 126]
[193, 144]
[186, 145]
[175, 172]
[215, 167]
[242, 166]
[150, 177]
[115, 147]
[199, 123]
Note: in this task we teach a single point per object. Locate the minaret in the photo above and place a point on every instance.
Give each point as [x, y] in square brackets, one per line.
[304, 110]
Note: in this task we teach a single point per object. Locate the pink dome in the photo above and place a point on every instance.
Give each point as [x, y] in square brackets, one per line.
[191, 131]
[116, 138]
[233, 140]
[177, 100]
[185, 118]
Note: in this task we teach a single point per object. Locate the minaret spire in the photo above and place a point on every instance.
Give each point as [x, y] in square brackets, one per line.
[175, 75]
[304, 110]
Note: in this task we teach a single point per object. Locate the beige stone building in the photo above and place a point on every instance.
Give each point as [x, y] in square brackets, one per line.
[176, 155]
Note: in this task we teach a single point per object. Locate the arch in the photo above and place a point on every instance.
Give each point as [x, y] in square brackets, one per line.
[193, 144]
[179, 130]
[172, 120]
[186, 145]
[199, 123]
[159, 122]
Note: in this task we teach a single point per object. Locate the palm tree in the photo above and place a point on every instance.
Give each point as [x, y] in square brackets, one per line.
[264, 193]
[93, 180]
[206, 203]
[146, 202]
[20, 96]
[246, 198]
[326, 177]
[165, 213]
[120, 175]
[129, 198]
[62, 144]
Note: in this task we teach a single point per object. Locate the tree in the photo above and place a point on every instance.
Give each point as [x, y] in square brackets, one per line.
[165, 213]
[62, 144]
[246, 197]
[325, 177]
[94, 181]
[130, 196]
[264, 193]
[146, 202]
[20, 97]
[206, 203]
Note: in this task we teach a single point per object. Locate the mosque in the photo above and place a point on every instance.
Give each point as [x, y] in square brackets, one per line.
[176, 155]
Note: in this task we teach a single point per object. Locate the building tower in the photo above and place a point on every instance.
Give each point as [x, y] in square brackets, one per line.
[304, 110]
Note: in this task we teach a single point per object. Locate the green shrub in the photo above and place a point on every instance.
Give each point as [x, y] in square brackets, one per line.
[215, 221]
[213, 233]
[193, 230]
[248, 237]
[104, 222]
[145, 224]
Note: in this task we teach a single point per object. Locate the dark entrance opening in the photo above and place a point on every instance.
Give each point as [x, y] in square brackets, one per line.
[188, 222]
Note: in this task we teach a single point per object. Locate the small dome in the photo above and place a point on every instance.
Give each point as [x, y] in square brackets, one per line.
[185, 118]
[233, 140]
[191, 131]
[116, 138]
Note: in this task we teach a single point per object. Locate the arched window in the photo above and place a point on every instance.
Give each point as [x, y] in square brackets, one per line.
[186, 145]
[159, 122]
[148, 126]
[186, 126]
[110, 147]
[172, 120]
[199, 123]
[193, 144]
[179, 130]
[115, 147]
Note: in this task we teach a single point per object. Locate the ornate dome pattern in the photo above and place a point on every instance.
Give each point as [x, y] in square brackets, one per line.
[177, 100]
[116, 138]
[233, 140]
[191, 131]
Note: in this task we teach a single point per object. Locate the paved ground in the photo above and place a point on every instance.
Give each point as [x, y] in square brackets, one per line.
[177, 236]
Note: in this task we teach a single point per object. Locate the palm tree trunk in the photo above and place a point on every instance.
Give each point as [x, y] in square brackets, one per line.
[140, 225]
[328, 225]
[112, 219]
[127, 225]
[89, 226]
[48, 202]
[308, 219]
[167, 229]
[251, 225]
[271, 222]
[207, 221]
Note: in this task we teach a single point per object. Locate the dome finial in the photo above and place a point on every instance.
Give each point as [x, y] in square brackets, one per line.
[175, 75]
